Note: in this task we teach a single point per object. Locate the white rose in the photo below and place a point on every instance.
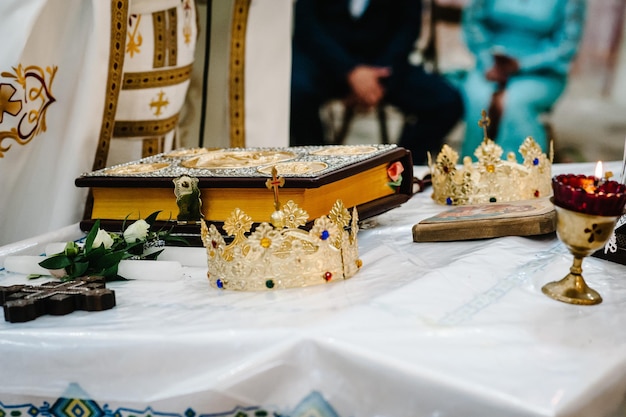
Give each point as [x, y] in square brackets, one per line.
[136, 231]
[103, 238]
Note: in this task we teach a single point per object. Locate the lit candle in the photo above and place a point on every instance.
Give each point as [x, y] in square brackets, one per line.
[579, 193]
[599, 170]
[599, 174]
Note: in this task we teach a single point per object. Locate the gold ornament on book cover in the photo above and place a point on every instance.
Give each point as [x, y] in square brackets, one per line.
[281, 253]
[491, 179]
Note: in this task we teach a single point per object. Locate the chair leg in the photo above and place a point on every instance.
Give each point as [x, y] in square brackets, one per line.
[381, 113]
[346, 121]
[339, 137]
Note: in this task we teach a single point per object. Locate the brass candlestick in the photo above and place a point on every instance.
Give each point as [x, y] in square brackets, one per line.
[582, 234]
[587, 209]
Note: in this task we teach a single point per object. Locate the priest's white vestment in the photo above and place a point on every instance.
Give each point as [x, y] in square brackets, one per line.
[266, 63]
[53, 72]
[80, 78]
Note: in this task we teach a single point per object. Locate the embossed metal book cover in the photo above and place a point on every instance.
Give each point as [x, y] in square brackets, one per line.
[373, 178]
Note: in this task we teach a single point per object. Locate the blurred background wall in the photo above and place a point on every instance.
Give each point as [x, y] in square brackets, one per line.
[589, 121]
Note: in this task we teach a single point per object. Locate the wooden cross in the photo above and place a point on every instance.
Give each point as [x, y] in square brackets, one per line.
[27, 302]
[484, 124]
[159, 103]
[273, 184]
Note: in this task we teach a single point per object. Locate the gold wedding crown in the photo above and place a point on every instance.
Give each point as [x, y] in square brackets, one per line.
[281, 253]
[491, 179]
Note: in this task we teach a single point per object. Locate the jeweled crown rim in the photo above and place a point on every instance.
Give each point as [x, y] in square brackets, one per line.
[280, 256]
[491, 179]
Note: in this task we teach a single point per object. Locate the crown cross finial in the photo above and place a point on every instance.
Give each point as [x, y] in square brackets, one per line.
[484, 123]
[273, 185]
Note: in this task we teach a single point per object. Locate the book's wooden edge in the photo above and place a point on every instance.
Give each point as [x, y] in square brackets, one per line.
[192, 231]
[381, 205]
[395, 154]
[485, 229]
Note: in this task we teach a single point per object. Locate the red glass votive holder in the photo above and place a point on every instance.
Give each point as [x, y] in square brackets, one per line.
[589, 194]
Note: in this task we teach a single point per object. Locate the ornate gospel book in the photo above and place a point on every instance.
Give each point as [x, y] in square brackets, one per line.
[488, 220]
[373, 178]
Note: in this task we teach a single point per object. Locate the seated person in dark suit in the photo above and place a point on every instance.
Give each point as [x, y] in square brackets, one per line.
[340, 53]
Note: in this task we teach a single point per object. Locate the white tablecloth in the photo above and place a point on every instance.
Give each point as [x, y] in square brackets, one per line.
[424, 329]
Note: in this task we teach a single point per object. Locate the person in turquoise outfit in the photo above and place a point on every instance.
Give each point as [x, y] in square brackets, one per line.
[523, 51]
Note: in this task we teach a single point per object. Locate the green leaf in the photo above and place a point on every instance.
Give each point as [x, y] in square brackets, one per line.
[152, 218]
[110, 271]
[161, 231]
[92, 235]
[56, 262]
[95, 253]
[107, 260]
[34, 276]
[395, 184]
[124, 224]
[78, 269]
[135, 248]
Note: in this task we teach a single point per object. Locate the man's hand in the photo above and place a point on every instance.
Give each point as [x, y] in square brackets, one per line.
[365, 83]
[503, 67]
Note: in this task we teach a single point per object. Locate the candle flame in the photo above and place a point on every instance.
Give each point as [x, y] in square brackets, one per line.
[599, 171]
